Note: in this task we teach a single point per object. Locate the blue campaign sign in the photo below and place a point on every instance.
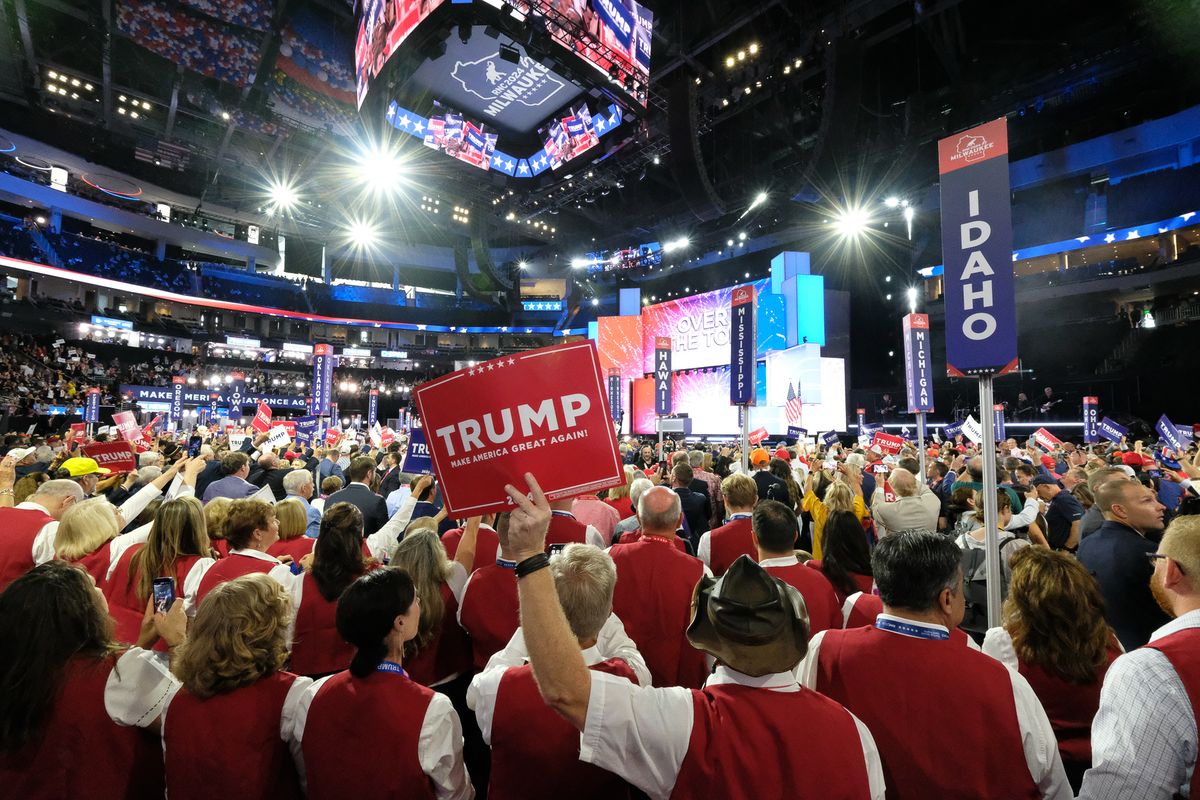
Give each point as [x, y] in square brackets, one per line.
[743, 347]
[952, 430]
[1111, 431]
[1169, 433]
[91, 410]
[416, 458]
[918, 376]
[998, 423]
[177, 386]
[306, 429]
[795, 432]
[981, 308]
[1091, 408]
[830, 438]
[662, 376]
[322, 381]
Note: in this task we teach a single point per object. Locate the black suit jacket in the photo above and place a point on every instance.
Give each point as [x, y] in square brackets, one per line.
[372, 506]
[696, 510]
[389, 483]
[1116, 555]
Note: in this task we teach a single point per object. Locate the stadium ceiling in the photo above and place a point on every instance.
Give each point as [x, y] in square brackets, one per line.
[813, 103]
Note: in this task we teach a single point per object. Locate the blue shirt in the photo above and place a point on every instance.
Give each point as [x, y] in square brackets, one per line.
[314, 516]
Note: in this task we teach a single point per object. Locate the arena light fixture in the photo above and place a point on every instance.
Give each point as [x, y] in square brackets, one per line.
[380, 168]
[912, 299]
[362, 234]
[892, 202]
[283, 195]
[851, 222]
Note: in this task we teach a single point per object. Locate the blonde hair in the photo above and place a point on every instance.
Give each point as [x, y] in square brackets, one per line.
[622, 491]
[421, 554]
[84, 528]
[584, 577]
[1182, 543]
[215, 512]
[179, 530]
[239, 635]
[739, 491]
[292, 519]
[839, 497]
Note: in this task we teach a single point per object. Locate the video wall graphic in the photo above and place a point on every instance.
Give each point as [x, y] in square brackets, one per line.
[383, 25]
[461, 138]
[570, 136]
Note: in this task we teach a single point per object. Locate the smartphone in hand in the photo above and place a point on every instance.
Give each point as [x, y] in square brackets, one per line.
[164, 594]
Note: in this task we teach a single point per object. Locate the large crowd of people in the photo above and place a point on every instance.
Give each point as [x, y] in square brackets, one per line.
[814, 624]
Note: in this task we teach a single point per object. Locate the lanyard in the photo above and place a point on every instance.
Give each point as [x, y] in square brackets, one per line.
[909, 629]
[738, 516]
[661, 539]
[562, 514]
[391, 666]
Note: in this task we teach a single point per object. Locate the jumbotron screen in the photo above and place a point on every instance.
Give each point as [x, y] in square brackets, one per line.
[644, 255]
[569, 136]
[465, 140]
[609, 34]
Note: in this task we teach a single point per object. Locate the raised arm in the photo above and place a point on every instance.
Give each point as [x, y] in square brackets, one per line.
[558, 667]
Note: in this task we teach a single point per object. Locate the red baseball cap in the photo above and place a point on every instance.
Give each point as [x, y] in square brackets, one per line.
[1131, 459]
[784, 454]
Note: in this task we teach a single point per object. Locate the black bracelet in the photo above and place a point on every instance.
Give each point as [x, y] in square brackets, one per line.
[532, 564]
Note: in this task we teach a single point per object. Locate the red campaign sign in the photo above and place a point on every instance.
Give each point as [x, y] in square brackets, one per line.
[757, 435]
[1046, 439]
[888, 442]
[331, 437]
[290, 424]
[262, 418]
[115, 456]
[127, 424]
[543, 411]
[79, 427]
[388, 436]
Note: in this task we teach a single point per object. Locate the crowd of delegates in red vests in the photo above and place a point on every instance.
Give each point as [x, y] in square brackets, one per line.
[253, 624]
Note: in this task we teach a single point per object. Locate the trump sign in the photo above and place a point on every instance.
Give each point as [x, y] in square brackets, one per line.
[981, 306]
[543, 411]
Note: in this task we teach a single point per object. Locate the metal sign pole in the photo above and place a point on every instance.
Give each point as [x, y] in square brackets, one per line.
[745, 418]
[921, 444]
[991, 524]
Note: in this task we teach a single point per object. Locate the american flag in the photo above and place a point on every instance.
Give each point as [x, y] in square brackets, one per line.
[793, 408]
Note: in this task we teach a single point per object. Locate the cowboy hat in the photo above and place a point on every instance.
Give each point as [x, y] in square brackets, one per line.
[749, 620]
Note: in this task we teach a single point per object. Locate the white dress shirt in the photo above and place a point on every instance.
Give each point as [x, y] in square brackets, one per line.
[1037, 737]
[643, 734]
[439, 747]
[281, 573]
[611, 642]
[1144, 739]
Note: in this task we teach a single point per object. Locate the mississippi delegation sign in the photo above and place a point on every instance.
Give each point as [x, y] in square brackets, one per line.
[543, 411]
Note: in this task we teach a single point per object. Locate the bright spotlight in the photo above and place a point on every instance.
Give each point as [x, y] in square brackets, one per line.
[852, 222]
[676, 244]
[283, 195]
[380, 169]
[362, 234]
[892, 202]
[595, 301]
[742, 236]
[522, 265]
[578, 263]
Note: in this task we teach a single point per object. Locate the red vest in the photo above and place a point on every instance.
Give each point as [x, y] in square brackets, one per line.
[97, 562]
[448, 653]
[565, 530]
[82, 752]
[349, 720]
[863, 611]
[221, 546]
[229, 745]
[20, 527]
[1071, 707]
[629, 537]
[819, 599]
[744, 745]
[228, 568]
[970, 741]
[728, 542]
[535, 752]
[490, 611]
[487, 544]
[297, 548]
[124, 605]
[317, 647]
[653, 597]
[1182, 649]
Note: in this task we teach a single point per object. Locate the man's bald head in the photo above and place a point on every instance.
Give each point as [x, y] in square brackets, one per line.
[903, 482]
[659, 511]
[268, 461]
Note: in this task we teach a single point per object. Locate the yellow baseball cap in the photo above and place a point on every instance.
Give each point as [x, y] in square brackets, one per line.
[78, 467]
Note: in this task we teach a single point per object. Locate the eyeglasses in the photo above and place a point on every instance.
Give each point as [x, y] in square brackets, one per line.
[1156, 556]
